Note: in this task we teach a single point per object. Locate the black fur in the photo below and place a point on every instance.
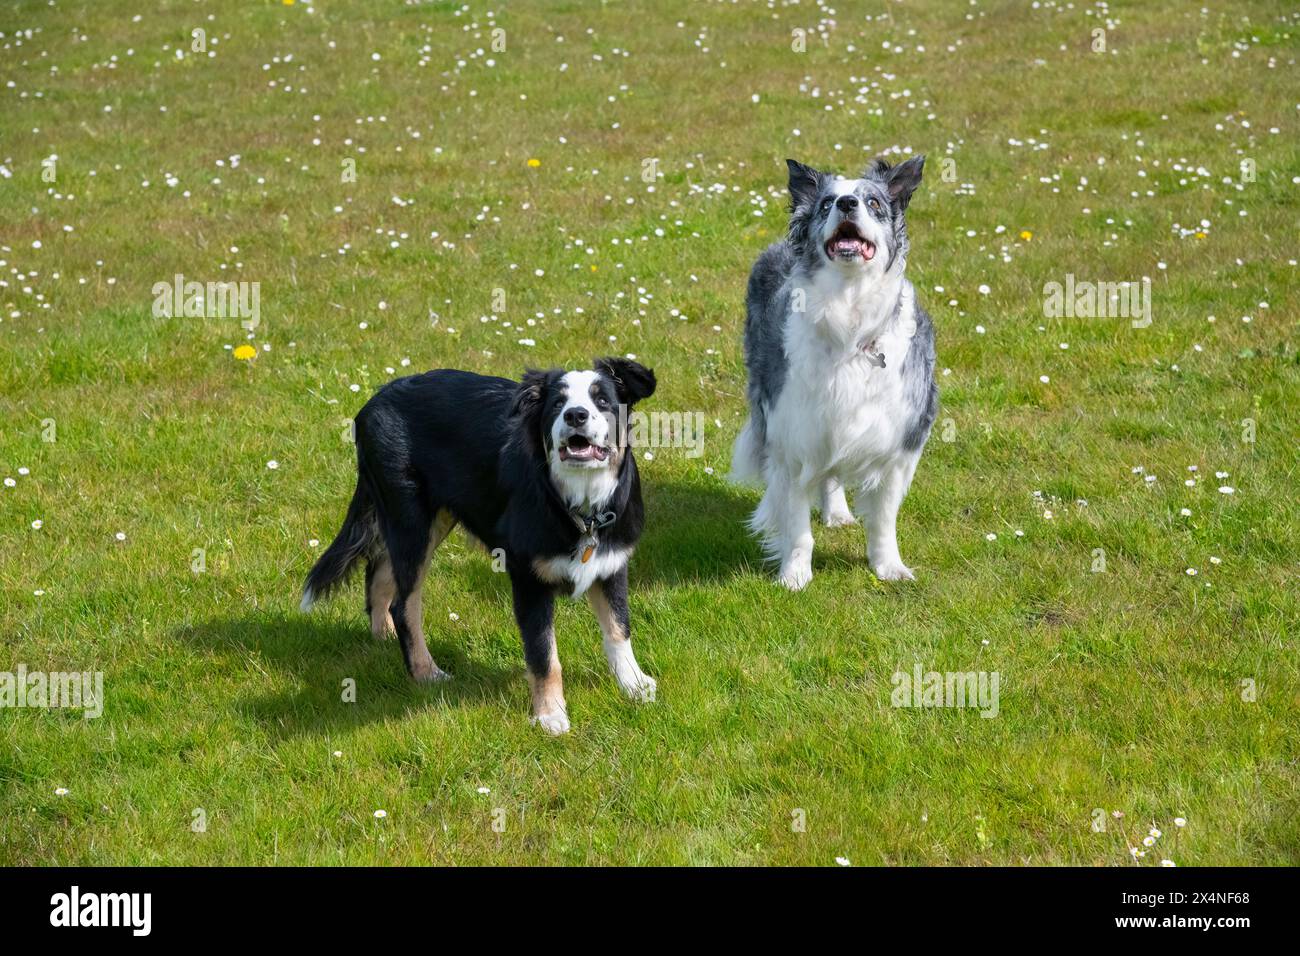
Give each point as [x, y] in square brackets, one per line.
[615, 587]
[477, 448]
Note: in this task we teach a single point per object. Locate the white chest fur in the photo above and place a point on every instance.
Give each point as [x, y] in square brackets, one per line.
[588, 490]
[572, 569]
[839, 414]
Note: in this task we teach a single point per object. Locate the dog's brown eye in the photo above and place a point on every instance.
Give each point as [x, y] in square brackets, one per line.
[874, 204]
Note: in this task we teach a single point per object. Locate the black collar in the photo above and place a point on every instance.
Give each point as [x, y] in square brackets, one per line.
[591, 523]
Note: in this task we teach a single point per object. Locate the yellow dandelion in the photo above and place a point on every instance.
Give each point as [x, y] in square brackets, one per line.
[1201, 235]
[288, 3]
[245, 352]
[1026, 235]
[593, 268]
[534, 163]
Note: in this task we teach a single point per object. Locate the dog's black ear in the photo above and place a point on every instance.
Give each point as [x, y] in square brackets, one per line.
[632, 380]
[528, 398]
[903, 179]
[878, 168]
[805, 182]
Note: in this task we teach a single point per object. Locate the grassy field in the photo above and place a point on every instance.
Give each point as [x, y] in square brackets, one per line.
[499, 216]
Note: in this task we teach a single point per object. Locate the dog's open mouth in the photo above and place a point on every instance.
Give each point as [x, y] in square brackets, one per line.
[578, 448]
[849, 243]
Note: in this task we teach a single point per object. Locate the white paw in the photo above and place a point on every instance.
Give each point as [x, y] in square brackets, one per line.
[838, 519]
[636, 684]
[795, 575]
[554, 723]
[640, 687]
[893, 571]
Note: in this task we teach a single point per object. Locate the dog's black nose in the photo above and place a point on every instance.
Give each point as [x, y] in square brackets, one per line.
[847, 204]
[575, 417]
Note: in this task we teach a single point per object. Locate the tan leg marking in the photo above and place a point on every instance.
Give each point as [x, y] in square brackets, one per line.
[549, 708]
[635, 683]
[443, 522]
[423, 668]
[611, 628]
[382, 591]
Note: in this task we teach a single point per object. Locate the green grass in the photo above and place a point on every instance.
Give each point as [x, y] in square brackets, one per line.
[1119, 690]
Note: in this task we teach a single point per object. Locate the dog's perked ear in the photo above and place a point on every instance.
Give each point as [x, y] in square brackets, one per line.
[632, 380]
[526, 410]
[903, 179]
[805, 182]
[528, 399]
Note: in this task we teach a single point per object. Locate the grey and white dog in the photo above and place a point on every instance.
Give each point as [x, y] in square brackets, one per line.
[841, 368]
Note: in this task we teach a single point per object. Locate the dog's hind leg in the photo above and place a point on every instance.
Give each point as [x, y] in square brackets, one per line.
[835, 505]
[784, 518]
[879, 505]
[409, 549]
[381, 588]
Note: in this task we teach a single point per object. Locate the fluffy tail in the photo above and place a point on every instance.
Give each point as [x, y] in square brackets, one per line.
[748, 453]
[353, 542]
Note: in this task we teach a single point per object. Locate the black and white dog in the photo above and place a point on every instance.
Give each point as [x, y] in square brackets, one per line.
[841, 367]
[539, 471]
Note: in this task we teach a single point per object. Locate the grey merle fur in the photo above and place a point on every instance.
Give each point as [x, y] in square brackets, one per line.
[768, 298]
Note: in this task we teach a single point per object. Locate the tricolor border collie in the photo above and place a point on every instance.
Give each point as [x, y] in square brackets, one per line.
[539, 469]
[841, 367]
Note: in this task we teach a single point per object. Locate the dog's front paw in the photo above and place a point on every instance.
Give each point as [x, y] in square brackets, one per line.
[838, 519]
[554, 723]
[795, 575]
[639, 687]
[893, 571]
[634, 682]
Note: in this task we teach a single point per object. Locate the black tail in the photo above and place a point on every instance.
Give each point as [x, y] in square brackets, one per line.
[352, 543]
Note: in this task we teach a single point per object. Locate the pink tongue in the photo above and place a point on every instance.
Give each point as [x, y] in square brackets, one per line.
[868, 250]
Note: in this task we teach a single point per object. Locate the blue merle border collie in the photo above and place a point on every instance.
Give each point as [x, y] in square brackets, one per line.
[539, 471]
[841, 368]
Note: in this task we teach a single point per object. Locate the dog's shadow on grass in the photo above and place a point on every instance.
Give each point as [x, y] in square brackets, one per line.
[318, 660]
[695, 533]
[698, 533]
